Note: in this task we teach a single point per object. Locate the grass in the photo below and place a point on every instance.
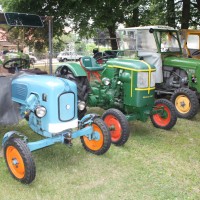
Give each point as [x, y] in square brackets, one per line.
[153, 164]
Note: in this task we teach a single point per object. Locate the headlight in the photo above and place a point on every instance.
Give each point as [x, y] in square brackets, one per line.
[40, 111]
[106, 81]
[81, 105]
[142, 79]
[153, 79]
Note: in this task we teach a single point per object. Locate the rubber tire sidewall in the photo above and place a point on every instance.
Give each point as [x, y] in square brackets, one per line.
[29, 164]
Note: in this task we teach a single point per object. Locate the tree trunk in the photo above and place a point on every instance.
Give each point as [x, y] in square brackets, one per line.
[113, 41]
[198, 5]
[171, 13]
[185, 14]
[134, 22]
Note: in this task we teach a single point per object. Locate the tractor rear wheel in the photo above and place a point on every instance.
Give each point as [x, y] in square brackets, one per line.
[166, 119]
[186, 103]
[19, 160]
[102, 144]
[117, 125]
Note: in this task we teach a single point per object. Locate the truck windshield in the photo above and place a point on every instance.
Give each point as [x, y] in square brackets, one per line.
[143, 40]
[193, 41]
[136, 40]
[168, 41]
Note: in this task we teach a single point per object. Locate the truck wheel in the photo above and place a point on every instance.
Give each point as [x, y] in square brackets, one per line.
[64, 59]
[101, 145]
[118, 126]
[19, 160]
[186, 103]
[167, 119]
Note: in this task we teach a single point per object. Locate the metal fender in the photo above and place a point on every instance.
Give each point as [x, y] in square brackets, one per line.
[87, 119]
[76, 68]
[12, 134]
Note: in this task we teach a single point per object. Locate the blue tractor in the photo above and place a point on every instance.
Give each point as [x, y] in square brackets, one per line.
[50, 106]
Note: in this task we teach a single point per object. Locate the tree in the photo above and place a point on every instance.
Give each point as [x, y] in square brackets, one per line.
[38, 37]
[171, 13]
[185, 14]
[86, 17]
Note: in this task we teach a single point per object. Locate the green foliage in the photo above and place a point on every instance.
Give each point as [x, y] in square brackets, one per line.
[85, 17]
[58, 45]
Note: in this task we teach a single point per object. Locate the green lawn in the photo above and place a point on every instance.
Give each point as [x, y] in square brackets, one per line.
[153, 164]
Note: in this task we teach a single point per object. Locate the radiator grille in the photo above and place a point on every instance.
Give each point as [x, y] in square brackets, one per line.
[67, 106]
[19, 91]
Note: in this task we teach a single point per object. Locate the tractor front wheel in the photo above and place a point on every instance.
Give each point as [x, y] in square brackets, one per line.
[98, 145]
[186, 103]
[166, 116]
[117, 125]
[19, 160]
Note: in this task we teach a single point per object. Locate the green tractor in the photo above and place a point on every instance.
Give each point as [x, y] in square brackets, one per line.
[177, 77]
[124, 88]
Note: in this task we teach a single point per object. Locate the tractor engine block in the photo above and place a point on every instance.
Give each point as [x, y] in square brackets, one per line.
[174, 78]
[106, 95]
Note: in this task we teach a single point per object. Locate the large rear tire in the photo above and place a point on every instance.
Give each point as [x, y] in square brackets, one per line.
[19, 160]
[117, 125]
[101, 145]
[167, 119]
[186, 103]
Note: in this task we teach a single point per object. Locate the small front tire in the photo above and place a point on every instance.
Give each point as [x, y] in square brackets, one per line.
[118, 126]
[19, 160]
[167, 119]
[101, 145]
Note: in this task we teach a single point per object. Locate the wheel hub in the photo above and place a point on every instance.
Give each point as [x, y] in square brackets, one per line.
[111, 127]
[183, 104]
[15, 162]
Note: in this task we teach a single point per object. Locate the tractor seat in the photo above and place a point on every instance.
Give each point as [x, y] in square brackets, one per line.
[90, 64]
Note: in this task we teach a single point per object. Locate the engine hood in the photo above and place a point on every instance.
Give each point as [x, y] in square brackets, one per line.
[130, 64]
[181, 62]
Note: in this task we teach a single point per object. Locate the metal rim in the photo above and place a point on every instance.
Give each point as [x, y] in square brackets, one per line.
[159, 119]
[183, 104]
[15, 162]
[94, 145]
[114, 127]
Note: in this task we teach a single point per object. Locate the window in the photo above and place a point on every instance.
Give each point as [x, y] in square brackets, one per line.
[193, 42]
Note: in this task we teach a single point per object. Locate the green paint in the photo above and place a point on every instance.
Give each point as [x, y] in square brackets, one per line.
[76, 69]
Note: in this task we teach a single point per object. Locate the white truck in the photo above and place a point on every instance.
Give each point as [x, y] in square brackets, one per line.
[65, 56]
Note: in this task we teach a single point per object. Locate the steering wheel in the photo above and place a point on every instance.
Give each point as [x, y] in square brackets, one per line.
[195, 53]
[15, 63]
